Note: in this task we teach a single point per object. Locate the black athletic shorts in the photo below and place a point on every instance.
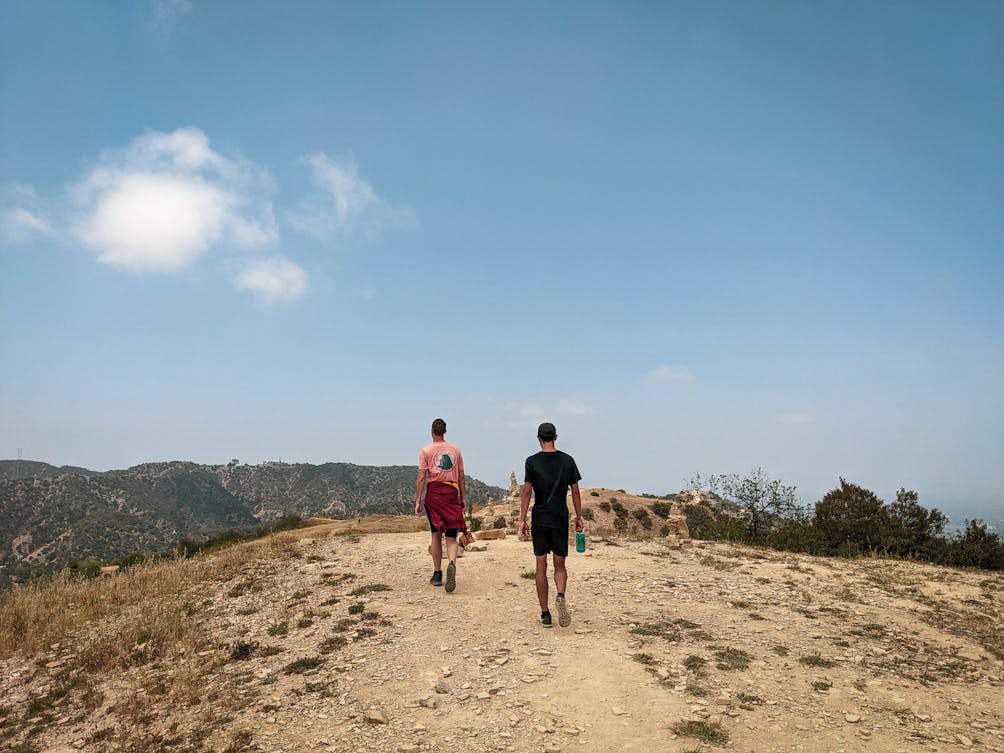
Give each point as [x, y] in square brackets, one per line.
[546, 540]
[451, 533]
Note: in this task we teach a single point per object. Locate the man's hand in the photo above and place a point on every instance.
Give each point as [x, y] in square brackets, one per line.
[418, 508]
[578, 523]
[524, 531]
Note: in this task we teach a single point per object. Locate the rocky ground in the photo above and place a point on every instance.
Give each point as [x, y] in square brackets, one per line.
[344, 646]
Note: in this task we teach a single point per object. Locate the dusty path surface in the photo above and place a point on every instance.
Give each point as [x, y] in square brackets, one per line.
[776, 652]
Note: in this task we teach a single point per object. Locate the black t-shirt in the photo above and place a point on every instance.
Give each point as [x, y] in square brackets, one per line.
[550, 474]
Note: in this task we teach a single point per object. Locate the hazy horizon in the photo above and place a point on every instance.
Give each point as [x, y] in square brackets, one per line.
[990, 510]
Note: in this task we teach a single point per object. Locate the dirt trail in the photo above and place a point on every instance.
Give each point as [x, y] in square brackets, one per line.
[777, 652]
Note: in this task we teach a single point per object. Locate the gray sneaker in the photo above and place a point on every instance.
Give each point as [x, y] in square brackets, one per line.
[564, 618]
[451, 577]
[545, 619]
[437, 578]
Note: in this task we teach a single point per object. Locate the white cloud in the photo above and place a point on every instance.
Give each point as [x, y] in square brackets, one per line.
[666, 373]
[19, 225]
[167, 198]
[574, 408]
[22, 218]
[344, 204]
[796, 418]
[272, 280]
[167, 12]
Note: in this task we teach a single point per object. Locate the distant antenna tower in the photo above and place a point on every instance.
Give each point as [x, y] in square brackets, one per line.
[17, 468]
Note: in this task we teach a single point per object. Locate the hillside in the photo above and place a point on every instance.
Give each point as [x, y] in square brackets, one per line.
[51, 516]
[37, 469]
[320, 642]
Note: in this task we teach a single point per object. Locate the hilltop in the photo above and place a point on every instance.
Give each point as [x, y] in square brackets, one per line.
[330, 639]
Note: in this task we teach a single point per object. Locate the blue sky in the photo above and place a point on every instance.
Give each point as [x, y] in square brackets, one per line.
[698, 236]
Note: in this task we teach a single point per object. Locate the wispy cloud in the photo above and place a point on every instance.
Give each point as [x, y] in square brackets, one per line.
[667, 373]
[526, 414]
[524, 409]
[22, 219]
[796, 418]
[272, 280]
[167, 12]
[344, 203]
[166, 199]
[574, 408]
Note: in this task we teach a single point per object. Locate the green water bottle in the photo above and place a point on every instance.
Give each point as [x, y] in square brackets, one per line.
[580, 541]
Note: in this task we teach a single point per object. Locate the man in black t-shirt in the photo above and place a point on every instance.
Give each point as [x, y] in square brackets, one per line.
[549, 475]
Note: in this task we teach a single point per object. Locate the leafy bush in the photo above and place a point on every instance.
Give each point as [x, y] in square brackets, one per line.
[288, 523]
[587, 513]
[662, 509]
[976, 546]
[85, 568]
[850, 520]
[641, 515]
[130, 560]
[605, 506]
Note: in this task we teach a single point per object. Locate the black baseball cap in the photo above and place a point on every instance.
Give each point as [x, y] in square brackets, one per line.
[547, 432]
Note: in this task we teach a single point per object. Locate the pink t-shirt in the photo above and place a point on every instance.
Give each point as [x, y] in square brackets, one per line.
[443, 461]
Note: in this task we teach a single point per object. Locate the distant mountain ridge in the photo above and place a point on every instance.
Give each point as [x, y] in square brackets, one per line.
[51, 515]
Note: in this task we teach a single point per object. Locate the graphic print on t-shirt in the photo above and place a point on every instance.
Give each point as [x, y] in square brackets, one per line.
[445, 462]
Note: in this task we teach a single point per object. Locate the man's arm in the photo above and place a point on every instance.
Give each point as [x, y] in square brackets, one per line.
[419, 488]
[462, 481]
[577, 504]
[524, 505]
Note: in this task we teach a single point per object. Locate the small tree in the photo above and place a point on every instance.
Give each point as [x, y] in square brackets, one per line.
[913, 530]
[765, 501]
[851, 519]
[976, 546]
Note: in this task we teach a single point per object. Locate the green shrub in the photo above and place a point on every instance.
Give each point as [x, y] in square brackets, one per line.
[587, 513]
[300, 666]
[243, 650]
[662, 509]
[287, 523]
[85, 568]
[641, 515]
[130, 560]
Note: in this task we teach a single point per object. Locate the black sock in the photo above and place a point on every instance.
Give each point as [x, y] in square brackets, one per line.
[545, 613]
[561, 594]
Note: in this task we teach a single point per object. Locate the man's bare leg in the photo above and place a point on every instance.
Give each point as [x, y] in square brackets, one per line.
[451, 549]
[437, 551]
[560, 581]
[542, 581]
[560, 574]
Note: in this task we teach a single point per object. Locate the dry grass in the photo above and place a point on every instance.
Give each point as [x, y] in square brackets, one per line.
[321, 527]
[143, 599]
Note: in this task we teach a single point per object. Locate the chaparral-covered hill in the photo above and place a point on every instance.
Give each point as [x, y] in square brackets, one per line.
[54, 515]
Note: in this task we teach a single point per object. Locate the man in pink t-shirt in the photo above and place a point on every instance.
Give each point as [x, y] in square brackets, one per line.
[441, 476]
